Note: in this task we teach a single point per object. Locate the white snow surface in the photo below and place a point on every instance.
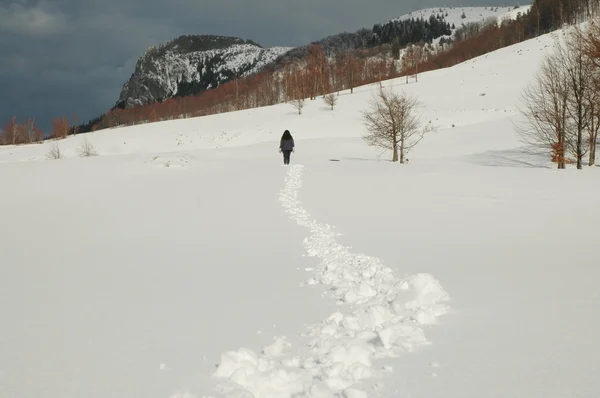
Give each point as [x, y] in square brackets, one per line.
[185, 261]
[472, 14]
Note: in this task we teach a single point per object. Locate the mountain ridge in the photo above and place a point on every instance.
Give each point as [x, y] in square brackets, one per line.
[191, 64]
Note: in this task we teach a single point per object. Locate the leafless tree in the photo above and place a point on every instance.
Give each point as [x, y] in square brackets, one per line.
[591, 49]
[28, 131]
[54, 153]
[545, 111]
[579, 72]
[86, 149]
[561, 107]
[15, 131]
[331, 100]
[298, 104]
[593, 104]
[392, 123]
[75, 124]
[411, 58]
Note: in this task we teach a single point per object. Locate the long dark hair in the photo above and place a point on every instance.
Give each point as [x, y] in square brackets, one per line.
[286, 135]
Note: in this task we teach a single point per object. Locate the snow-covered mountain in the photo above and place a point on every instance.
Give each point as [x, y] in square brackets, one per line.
[190, 64]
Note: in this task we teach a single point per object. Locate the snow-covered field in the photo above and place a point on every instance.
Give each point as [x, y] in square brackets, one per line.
[186, 261]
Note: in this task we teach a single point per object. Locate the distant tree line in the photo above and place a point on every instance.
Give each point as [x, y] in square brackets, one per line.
[402, 32]
[194, 43]
[410, 31]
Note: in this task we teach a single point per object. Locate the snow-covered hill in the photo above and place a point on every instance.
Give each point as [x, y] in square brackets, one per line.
[192, 63]
[185, 261]
[463, 15]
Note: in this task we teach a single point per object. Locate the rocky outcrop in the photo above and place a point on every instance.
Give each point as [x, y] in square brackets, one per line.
[191, 64]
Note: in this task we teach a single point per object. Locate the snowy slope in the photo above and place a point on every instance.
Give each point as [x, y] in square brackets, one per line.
[472, 14]
[185, 261]
[454, 15]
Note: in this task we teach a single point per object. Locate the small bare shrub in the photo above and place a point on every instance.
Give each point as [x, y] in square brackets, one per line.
[86, 149]
[331, 100]
[54, 153]
[298, 104]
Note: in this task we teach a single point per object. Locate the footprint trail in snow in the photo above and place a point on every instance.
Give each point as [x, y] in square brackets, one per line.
[380, 316]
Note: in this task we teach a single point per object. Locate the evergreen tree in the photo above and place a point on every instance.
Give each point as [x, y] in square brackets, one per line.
[396, 48]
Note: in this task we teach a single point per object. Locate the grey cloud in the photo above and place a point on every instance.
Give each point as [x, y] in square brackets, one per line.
[31, 21]
[73, 56]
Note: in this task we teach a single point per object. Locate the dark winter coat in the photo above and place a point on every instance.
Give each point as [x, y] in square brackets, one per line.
[286, 145]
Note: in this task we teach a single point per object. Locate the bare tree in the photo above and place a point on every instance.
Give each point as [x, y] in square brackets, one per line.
[579, 71]
[86, 149]
[411, 58]
[331, 100]
[75, 127]
[60, 127]
[545, 111]
[591, 49]
[14, 130]
[29, 130]
[54, 153]
[392, 123]
[561, 108]
[593, 104]
[351, 67]
[298, 104]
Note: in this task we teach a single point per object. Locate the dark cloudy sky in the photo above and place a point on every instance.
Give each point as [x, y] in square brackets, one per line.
[73, 56]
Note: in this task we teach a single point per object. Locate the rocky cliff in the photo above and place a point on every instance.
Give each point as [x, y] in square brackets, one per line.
[191, 64]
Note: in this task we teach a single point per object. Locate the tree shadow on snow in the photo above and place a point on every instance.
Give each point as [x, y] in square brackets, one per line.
[374, 160]
[510, 158]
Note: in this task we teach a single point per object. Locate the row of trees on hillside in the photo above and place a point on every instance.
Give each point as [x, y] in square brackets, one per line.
[404, 32]
[14, 133]
[27, 132]
[398, 32]
[562, 106]
[315, 76]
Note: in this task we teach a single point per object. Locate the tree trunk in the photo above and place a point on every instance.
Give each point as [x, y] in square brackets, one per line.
[402, 150]
[395, 152]
[579, 150]
[593, 138]
[14, 131]
[416, 71]
[561, 152]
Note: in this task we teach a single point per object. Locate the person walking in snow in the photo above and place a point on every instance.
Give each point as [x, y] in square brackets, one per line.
[286, 146]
